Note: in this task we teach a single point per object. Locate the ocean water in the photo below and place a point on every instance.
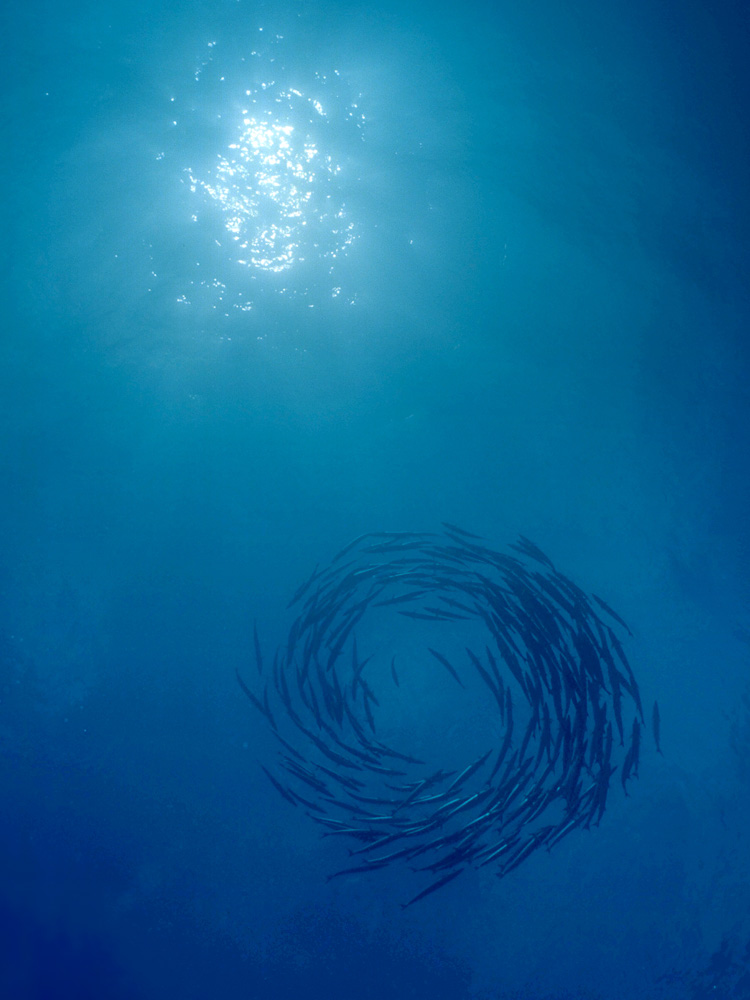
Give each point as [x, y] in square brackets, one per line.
[276, 275]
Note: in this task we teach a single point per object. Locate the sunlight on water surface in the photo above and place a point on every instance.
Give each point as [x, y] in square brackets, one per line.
[270, 203]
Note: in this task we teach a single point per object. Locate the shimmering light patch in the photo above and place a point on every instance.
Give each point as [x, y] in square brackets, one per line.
[276, 191]
[270, 156]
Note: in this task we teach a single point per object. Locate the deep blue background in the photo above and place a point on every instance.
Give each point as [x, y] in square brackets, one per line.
[549, 336]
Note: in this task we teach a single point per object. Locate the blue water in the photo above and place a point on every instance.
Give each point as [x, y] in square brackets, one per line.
[518, 302]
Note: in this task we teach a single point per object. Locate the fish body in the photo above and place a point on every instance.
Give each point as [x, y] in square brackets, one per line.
[433, 888]
[441, 659]
[656, 725]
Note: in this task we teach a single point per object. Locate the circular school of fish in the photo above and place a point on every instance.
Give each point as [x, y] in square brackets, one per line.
[546, 657]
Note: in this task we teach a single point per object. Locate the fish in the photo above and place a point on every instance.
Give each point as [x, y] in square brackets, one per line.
[302, 590]
[258, 654]
[253, 700]
[656, 725]
[613, 614]
[521, 854]
[441, 659]
[433, 888]
[372, 866]
[284, 792]
[503, 750]
[401, 599]
[460, 531]
[468, 771]
[411, 796]
[627, 769]
[368, 713]
[530, 549]
[394, 675]
[549, 647]
[483, 673]
[635, 743]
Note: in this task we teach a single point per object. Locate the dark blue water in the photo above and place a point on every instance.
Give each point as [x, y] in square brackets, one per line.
[496, 276]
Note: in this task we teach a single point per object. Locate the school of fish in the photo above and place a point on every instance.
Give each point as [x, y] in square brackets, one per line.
[547, 658]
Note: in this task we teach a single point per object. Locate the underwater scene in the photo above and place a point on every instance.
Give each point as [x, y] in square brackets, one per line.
[375, 500]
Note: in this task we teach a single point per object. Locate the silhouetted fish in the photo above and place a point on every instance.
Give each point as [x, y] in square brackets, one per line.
[656, 724]
[431, 888]
[546, 648]
[441, 659]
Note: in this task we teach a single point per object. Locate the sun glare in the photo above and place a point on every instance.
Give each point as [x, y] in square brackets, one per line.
[276, 190]
[271, 204]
